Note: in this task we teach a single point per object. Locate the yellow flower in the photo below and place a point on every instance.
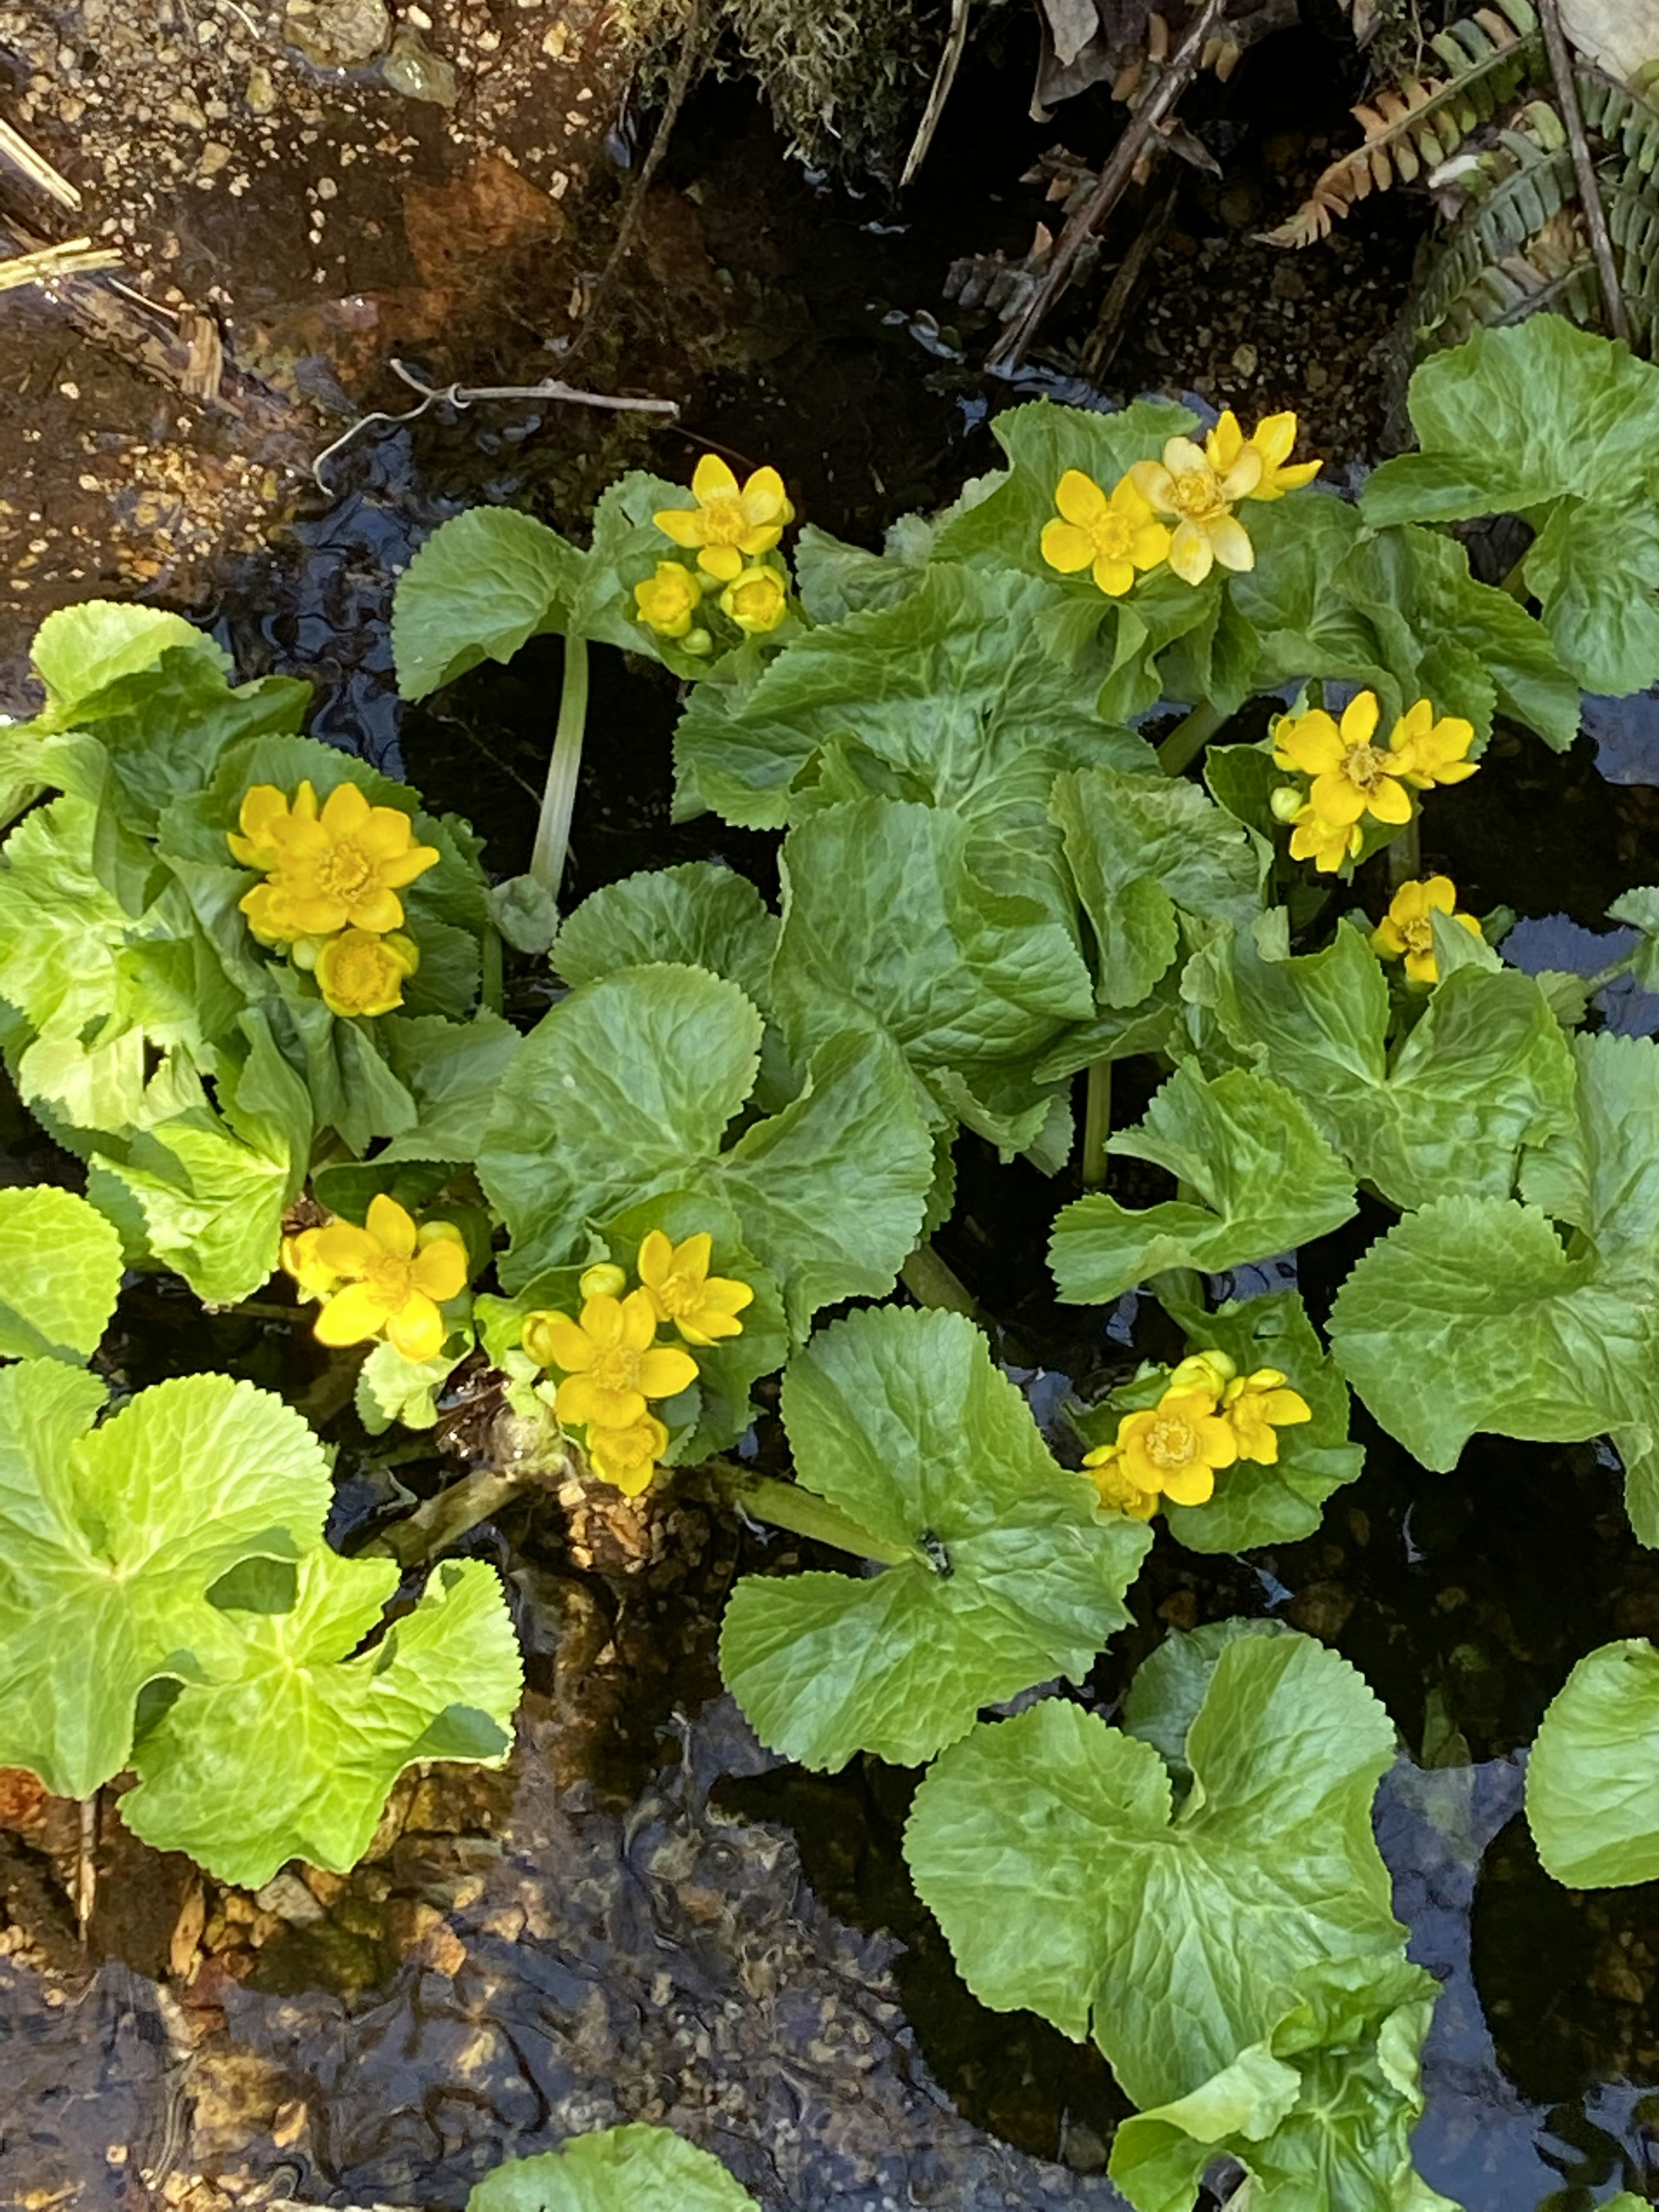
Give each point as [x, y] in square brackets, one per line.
[611, 1363]
[1204, 1370]
[1433, 752]
[358, 973]
[1187, 486]
[1177, 1446]
[396, 1278]
[668, 602]
[728, 526]
[299, 1256]
[1275, 439]
[628, 1457]
[1257, 1405]
[327, 869]
[1351, 776]
[1114, 537]
[757, 601]
[1117, 1488]
[676, 1281]
[1408, 926]
[1327, 844]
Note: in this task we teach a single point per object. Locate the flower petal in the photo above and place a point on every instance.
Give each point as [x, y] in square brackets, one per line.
[722, 561]
[656, 1258]
[346, 1248]
[345, 810]
[1440, 893]
[1231, 544]
[639, 1319]
[561, 1343]
[390, 1227]
[1275, 438]
[1193, 1486]
[351, 1317]
[1338, 801]
[1079, 498]
[1359, 719]
[416, 1329]
[666, 1371]
[1065, 547]
[579, 1401]
[1390, 801]
[1114, 576]
[377, 909]
[1191, 555]
[1128, 503]
[713, 479]
[439, 1270]
[1182, 457]
[682, 523]
[1225, 442]
[1242, 478]
[1149, 545]
[1154, 484]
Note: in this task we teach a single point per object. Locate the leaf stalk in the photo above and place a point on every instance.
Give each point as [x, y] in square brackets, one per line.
[547, 857]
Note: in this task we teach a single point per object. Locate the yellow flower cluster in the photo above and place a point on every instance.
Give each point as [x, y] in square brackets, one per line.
[1406, 931]
[332, 873]
[1209, 1416]
[1179, 509]
[387, 1279]
[1351, 777]
[612, 1363]
[733, 529]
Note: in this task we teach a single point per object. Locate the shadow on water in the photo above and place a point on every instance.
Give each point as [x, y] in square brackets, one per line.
[648, 1917]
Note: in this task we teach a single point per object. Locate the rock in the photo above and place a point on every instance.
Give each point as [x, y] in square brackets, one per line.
[338, 34]
[412, 69]
[286, 1896]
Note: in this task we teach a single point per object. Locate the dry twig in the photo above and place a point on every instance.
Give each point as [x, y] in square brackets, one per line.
[948, 63]
[1590, 192]
[16, 149]
[1012, 348]
[75, 256]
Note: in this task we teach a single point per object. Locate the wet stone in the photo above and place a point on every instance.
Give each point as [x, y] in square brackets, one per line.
[338, 34]
[412, 69]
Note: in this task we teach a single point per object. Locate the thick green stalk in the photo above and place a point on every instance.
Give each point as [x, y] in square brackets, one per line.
[1187, 739]
[1405, 855]
[1096, 1123]
[787, 1506]
[931, 1283]
[559, 794]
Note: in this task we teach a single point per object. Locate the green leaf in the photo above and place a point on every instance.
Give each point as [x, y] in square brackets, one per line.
[1011, 1572]
[452, 1071]
[1553, 424]
[111, 1537]
[1641, 908]
[1593, 1777]
[1602, 1173]
[1046, 1848]
[291, 1751]
[700, 913]
[60, 1274]
[1320, 2114]
[885, 911]
[1484, 1071]
[633, 2169]
[80, 650]
[1470, 1315]
[1172, 1681]
[835, 580]
[971, 693]
[626, 1090]
[393, 1389]
[1254, 1504]
[1138, 847]
[1264, 1178]
[482, 585]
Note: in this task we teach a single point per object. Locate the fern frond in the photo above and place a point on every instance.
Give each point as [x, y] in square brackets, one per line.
[1538, 183]
[1418, 124]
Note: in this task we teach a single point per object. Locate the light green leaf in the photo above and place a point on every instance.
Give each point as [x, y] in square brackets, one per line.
[393, 1389]
[835, 580]
[885, 911]
[1601, 1173]
[1010, 1572]
[1140, 847]
[60, 1274]
[700, 914]
[1046, 1849]
[111, 1537]
[452, 1070]
[1484, 1070]
[290, 1752]
[1555, 424]
[1593, 1777]
[1263, 1176]
[1254, 1503]
[483, 584]
[1172, 1683]
[1641, 909]
[633, 2169]
[1470, 1315]
[1320, 2114]
[80, 650]
[626, 1090]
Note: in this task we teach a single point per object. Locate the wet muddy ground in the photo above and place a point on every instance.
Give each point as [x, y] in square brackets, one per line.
[646, 1918]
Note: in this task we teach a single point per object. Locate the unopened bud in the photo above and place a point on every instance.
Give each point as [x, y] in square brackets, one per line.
[606, 1280]
[1287, 802]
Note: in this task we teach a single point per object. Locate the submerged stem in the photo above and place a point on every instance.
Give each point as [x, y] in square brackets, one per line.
[1187, 739]
[787, 1506]
[559, 794]
[931, 1282]
[1096, 1123]
[1405, 855]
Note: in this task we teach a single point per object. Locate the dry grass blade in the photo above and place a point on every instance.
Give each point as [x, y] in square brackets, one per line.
[16, 149]
[1417, 124]
[77, 257]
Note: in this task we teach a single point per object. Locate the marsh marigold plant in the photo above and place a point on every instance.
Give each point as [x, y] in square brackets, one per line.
[1113, 535]
[1406, 931]
[387, 1279]
[731, 525]
[335, 866]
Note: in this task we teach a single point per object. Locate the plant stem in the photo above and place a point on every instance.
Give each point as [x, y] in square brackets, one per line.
[559, 794]
[1187, 739]
[787, 1506]
[490, 987]
[1405, 855]
[443, 1520]
[931, 1283]
[1096, 1123]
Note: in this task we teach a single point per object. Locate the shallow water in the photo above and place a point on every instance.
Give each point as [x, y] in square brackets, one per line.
[648, 1918]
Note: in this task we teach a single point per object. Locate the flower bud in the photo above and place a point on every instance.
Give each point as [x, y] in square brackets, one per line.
[606, 1280]
[1286, 802]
